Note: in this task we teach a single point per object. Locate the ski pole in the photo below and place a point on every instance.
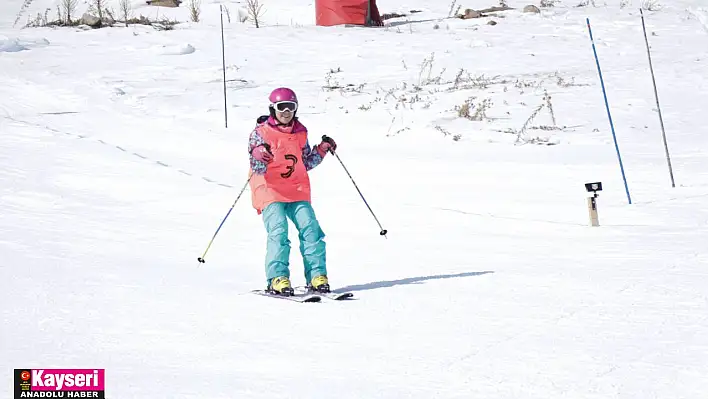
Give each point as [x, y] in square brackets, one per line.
[383, 232]
[201, 259]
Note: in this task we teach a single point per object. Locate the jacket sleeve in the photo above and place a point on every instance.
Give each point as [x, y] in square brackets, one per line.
[254, 141]
[311, 156]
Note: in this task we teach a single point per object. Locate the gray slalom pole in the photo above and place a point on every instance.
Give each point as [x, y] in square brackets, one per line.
[658, 107]
[223, 65]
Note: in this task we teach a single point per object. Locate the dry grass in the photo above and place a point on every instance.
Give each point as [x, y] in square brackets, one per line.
[195, 10]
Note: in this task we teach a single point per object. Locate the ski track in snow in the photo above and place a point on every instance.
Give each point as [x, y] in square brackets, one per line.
[701, 15]
[100, 141]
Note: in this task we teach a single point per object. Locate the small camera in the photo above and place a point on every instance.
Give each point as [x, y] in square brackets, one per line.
[593, 187]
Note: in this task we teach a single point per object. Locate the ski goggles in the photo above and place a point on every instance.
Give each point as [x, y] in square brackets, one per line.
[283, 106]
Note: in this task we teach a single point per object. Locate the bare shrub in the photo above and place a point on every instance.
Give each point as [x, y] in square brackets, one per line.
[459, 78]
[331, 81]
[425, 74]
[549, 105]
[24, 7]
[40, 20]
[427, 64]
[480, 111]
[446, 133]
[97, 7]
[68, 8]
[521, 133]
[464, 80]
[563, 82]
[397, 132]
[463, 111]
[651, 5]
[540, 141]
[472, 111]
[228, 13]
[195, 9]
[255, 12]
[162, 24]
[125, 10]
[452, 13]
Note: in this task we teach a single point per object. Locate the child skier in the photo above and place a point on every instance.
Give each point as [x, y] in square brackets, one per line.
[281, 156]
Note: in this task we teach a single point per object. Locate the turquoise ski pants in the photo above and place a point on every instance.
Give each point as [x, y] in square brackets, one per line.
[312, 245]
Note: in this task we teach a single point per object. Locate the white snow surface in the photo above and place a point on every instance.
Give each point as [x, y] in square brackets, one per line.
[116, 169]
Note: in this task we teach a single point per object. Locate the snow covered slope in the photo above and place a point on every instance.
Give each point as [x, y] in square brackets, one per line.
[116, 169]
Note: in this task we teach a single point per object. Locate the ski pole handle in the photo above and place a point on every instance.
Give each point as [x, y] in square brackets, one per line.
[267, 147]
[329, 140]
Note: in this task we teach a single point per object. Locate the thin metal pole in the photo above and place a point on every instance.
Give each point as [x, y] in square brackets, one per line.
[383, 231]
[201, 258]
[607, 105]
[223, 65]
[658, 107]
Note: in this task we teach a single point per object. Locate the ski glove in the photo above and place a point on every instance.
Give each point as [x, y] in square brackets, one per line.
[327, 145]
[262, 153]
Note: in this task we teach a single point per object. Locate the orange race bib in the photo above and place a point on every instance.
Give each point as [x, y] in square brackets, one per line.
[286, 178]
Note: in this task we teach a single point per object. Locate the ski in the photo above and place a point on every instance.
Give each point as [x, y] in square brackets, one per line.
[304, 297]
[335, 296]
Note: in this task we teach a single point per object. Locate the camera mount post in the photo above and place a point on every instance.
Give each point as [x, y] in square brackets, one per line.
[592, 202]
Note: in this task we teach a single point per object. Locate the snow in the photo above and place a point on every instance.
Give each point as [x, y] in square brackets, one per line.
[701, 15]
[13, 44]
[9, 45]
[183, 49]
[116, 169]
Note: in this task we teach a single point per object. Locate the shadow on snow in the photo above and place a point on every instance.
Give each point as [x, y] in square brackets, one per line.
[403, 281]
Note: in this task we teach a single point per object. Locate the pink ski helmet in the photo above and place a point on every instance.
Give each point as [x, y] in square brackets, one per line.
[282, 99]
[282, 94]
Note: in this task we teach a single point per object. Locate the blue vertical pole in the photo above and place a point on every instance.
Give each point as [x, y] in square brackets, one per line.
[612, 126]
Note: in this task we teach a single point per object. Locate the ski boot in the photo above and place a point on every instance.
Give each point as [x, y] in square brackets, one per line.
[281, 286]
[319, 284]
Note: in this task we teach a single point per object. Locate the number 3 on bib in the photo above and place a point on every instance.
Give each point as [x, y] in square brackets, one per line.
[291, 167]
